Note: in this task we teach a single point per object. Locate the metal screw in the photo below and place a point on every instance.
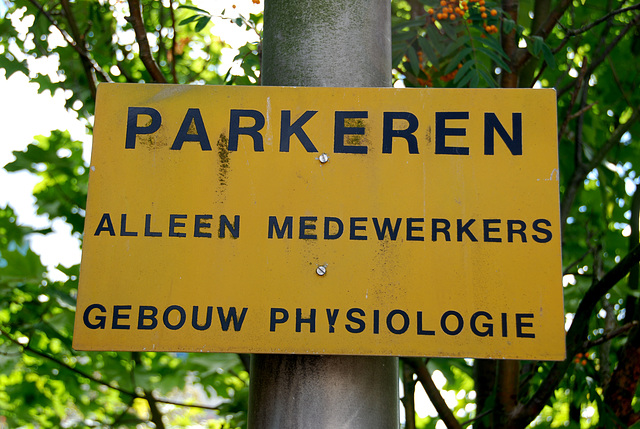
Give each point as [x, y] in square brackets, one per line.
[323, 158]
[321, 270]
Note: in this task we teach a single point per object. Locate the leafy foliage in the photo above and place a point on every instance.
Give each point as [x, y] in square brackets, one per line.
[588, 51]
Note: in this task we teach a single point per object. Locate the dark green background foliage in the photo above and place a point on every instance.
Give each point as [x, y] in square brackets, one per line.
[588, 51]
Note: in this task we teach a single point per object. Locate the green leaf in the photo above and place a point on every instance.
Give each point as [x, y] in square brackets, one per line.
[548, 56]
[535, 44]
[491, 82]
[189, 19]
[429, 52]
[464, 72]
[413, 60]
[496, 58]
[508, 25]
[191, 7]
[455, 46]
[460, 56]
[202, 23]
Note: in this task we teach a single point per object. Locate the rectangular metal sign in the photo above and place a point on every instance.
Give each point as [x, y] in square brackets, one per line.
[360, 221]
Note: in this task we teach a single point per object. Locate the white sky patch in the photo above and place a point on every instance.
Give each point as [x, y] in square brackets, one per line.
[26, 114]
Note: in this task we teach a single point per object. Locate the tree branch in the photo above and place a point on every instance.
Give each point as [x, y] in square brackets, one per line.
[607, 50]
[509, 79]
[172, 51]
[581, 171]
[610, 335]
[81, 50]
[506, 391]
[135, 18]
[27, 348]
[545, 29]
[420, 368]
[525, 413]
[409, 397]
[573, 32]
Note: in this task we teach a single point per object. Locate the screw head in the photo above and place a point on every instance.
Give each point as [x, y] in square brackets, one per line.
[323, 158]
[321, 270]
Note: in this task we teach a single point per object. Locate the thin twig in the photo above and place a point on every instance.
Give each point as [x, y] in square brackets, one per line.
[606, 51]
[29, 349]
[83, 53]
[609, 335]
[573, 32]
[582, 111]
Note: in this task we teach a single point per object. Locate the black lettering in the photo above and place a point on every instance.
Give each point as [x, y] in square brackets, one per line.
[287, 227]
[327, 228]
[208, 319]
[420, 330]
[353, 228]
[304, 226]
[233, 229]
[492, 123]
[405, 322]
[181, 319]
[143, 316]
[388, 133]
[376, 321]
[340, 131]
[287, 130]
[443, 322]
[123, 227]
[464, 229]
[411, 228]
[235, 130]
[275, 320]
[147, 227]
[117, 316]
[511, 230]
[194, 117]
[331, 318]
[520, 324]
[547, 234]
[386, 227]
[352, 318]
[173, 224]
[100, 319]
[442, 132]
[105, 224]
[504, 325]
[488, 326]
[435, 229]
[132, 124]
[488, 229]
[199, 224]
[311, 320]
[232, 316]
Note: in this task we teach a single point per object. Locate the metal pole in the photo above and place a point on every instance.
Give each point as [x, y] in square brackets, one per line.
[325, 43]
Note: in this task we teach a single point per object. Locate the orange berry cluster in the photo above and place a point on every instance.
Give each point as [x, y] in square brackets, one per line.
[428, 81]
[580, 359]
[454, 9]
[450, 76]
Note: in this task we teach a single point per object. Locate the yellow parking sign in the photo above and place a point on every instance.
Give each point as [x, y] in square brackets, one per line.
[360, 221]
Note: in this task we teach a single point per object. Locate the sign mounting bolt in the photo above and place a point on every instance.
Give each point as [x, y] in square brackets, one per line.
[323, 159]
[321, 270]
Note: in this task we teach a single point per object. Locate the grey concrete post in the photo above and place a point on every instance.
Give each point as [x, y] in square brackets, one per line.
[325, 43]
